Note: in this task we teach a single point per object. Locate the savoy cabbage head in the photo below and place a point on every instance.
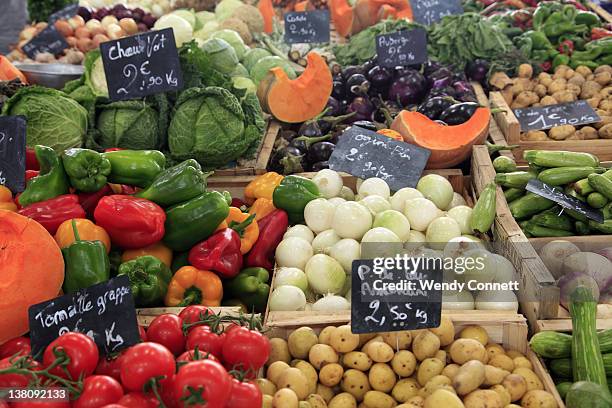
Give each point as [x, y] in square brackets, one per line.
[54, 119]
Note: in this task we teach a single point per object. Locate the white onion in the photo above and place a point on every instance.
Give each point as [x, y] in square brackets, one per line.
[374, 186]
[398, 200]
[346, 251]
[293, 252]
[457, 300]
[394, 221]
[324, 241]
[496, 300]
[554, 253]
[375, 204]
[300, 231]
[505, 271]
[594, 265]
[441, 230]
[437, 189]
[292, 277]
[456, 201]
[287, 299]
[325, 274]
[463, 215]
[380, 234]
[472, 237]
[480, 266]
[347, 194]
[458, 246]
[318, 215]
[351, 220]
[329, 183]
[420, 213]
[335, 201]
[416, 237]
[331, 303]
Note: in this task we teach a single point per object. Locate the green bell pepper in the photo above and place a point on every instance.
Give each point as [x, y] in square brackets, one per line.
[86, 263]
[195, 220]
[176, 184]
[135, 167]
[292, 195]
[539, 40]
[250, 287]
[149, 279]
[87, 169]
[587, 18]
[51, 182]
[575, 63]
[561, 59]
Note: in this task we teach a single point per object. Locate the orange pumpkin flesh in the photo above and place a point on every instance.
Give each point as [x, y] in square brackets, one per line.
[449, 145]
[342, 16]
[31, 271]
[300, 99]
[267, 11]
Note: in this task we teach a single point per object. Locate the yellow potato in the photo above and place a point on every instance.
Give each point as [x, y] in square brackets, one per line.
[375, 339]
[483, 399]
[358, 360]
[275, 370]
[380, 352]
[343, 340]
[331, 374]
[295, 380]
[425, 345]
[464, 350]
[403, 363]
[321, 354]
[522, 362]
[304, 404]
[398, 340]
[377, 399]
[364, 338]
[300, 342]
[475, 332]
[514, 354]
[381, 377]
[266, 386]
[405, 389]
[442, 398]
[279, 351]
[439, 381]
[494, 349]
[516, 386]
[309, 372]
[326, 392]
[428, 369]
[316, 401]
[445, 332]
[326, 333]
[533, 382]
[441, 355]
[451, 370]
[502, 361]
[356, 383]
[469, 377]
[538, 399]
[285, 398]
[343, 400]
[494, 375]
[503, 393]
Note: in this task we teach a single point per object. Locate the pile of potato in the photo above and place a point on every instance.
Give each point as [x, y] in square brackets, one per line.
[408, 369]
[565, 85]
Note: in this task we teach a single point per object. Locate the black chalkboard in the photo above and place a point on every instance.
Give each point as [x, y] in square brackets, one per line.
[546, 117]
[105, 312]
[141, 65]
[376, 308]
[366, 154]
[428, 12]
[405, 47]
[48, 40]
[564, 200]
[65, 13]
[12, 152]
[307, 27]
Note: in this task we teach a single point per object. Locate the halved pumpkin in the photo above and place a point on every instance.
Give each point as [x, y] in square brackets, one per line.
[449, 145]
[31, 271]
[342, 16]
[300, 99]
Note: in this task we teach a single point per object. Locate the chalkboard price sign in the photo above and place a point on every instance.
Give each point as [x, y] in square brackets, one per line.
[546, 117]
[12, 152]
[105, 312]
[48, 40]
[564, 200]
[395, 297]
[141, 65]
[428, 12]
[366, 154]
[307, 27]
[65, 13]
[405, 47]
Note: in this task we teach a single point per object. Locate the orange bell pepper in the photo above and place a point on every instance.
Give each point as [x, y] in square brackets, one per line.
[6, 200]
[158, 250]
[262, 186]
[192, 286]
[88, 231]
[262, 207]
[249, 234]
[8, 71]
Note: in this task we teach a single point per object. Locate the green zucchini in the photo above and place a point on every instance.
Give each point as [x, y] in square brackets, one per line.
[516, 179]
[562, 367]
[563, 175]
[483, 213]
[563, 388]
[607, 211]
[528, 205]
[551, 344]
[587, 363]
[597, 200]
[601, 184]
[512, 194]
[582, 228]
[583, 187]
[605, 227]
[504, 164]
[555, 221]
[585, 394]
[540, 231]
[569, 190]
[547, 158]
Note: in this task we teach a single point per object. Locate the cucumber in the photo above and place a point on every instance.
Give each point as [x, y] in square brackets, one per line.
[585, 394]
[582, 228]
[587, 363]
[512, 194]
[483, 213]
[504, 164]
[555, 221]
[583, 187]
[597, 200]
[601, 184]
[563, 388]
[563, 175]
[562, 367]
[569, 190]
[516, 179]
[528, 205]
[546, 158]
[539, 231]
[605, 227]
[551, 344]
[607, 211]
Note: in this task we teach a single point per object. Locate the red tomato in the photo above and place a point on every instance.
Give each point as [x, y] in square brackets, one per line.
[81, 350]
[138, 400]
[167, 330]
[194, 313]
[143, 333]
[12, 380]
[245, 348]
[206, 378]
[167, 392]
[114, 406]
[18, 345]
[41, 404]
[244, 395]
[192, 355]
[4, 404]
[143, 362]
[99, 390]
[205, 340]
[110, 367]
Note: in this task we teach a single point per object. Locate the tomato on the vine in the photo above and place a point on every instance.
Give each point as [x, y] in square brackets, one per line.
[167, 392]
[205, 340]
[167, 330]
[246, 349]
[110, 366]
[40, 404]
[114, 406]
[98, 390]
[144, 362]
[18, 345]
[203, 383]
[143, 333]
[244, 395]
[14, 380]
[138, 400]
[193, 355]
[81, 351]
[194, 313]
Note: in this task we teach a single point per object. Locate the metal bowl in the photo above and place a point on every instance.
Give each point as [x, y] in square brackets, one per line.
[50, 75]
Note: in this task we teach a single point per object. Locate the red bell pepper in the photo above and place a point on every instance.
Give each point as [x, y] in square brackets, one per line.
[89, 201]
[131, 222]
[31, 160]
[598, 33]
[30, 174]
[51, 213]
[219, 253]
[272, 227]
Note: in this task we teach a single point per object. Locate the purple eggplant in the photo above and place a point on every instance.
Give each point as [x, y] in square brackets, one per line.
[462, 86]
[433, 107]
[351, 70]
[310, 129]
[380, 78]
[320, 166]
[439, 74]
[369, 64]
[320, 151]
[303, 143]
[441, 83]
[334, 107]
[366, 124]
[408, 90]
[477, 70]
[362, 107]
[338, 89]
[288, 160]
[288, 135]
[358, 84]
[458, 113]
[430, 67]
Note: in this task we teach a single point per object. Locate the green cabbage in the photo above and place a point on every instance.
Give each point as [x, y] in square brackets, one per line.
[244, 83]
[223, 58]
[233, 39]
[253, 55]
[261, 68]
[240, 71]
[54, 119]
[225, 8]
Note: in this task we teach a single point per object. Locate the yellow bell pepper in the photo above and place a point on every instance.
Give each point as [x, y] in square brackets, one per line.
[88, 231]
[248, 235]
[6, 200]
[262, 207]
[262, 187]
[192, 286]
[158, 250]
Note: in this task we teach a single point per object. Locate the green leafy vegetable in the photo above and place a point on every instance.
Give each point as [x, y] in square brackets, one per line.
[40, 10]
[222, 56]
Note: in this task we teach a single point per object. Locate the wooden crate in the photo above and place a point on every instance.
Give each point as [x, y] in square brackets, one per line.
[146, 315]
[603, 14]
[511, 129]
